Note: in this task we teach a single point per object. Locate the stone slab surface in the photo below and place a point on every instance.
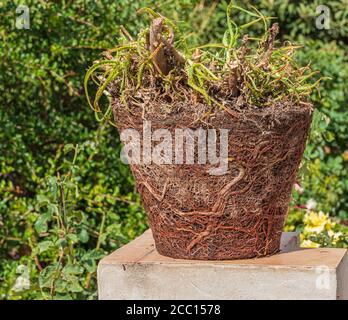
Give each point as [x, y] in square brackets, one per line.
[137, 271]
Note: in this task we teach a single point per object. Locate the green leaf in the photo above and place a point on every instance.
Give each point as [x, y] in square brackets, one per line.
[62, 243]
[48, 275]
[52, 182]
[83, 236]
[45, 245]
[73, 285]
[41, 223]
[72, 237]
[42, 199]
[60, 286]
[94, 255]
[52, 208]
[63, 296]
[68, 147]
[72, 269]
[89, 265]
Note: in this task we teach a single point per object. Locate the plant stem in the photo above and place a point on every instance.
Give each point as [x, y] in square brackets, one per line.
[101, 230]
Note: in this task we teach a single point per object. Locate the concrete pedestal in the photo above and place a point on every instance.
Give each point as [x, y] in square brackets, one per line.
[137, 271]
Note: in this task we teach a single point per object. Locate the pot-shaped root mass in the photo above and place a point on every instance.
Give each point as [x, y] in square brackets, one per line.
[236, 214]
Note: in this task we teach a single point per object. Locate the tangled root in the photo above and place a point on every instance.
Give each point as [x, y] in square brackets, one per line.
[195, 215]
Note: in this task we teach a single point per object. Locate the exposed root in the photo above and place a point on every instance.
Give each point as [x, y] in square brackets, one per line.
[195, 215]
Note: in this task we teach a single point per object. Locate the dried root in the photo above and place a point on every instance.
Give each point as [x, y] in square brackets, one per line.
[238, 215]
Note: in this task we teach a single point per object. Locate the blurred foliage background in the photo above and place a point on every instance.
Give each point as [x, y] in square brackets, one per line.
[66, 199]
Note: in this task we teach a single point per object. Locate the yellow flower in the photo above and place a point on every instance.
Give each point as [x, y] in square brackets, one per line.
[334, 236]
[317, 222]
[317, 229]
[309, 244]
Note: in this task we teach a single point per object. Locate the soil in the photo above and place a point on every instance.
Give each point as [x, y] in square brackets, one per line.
[195, 215]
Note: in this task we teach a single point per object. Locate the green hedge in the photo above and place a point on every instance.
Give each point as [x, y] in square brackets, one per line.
[46, 128]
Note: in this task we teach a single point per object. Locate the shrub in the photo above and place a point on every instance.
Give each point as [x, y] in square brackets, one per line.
[42, 115]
